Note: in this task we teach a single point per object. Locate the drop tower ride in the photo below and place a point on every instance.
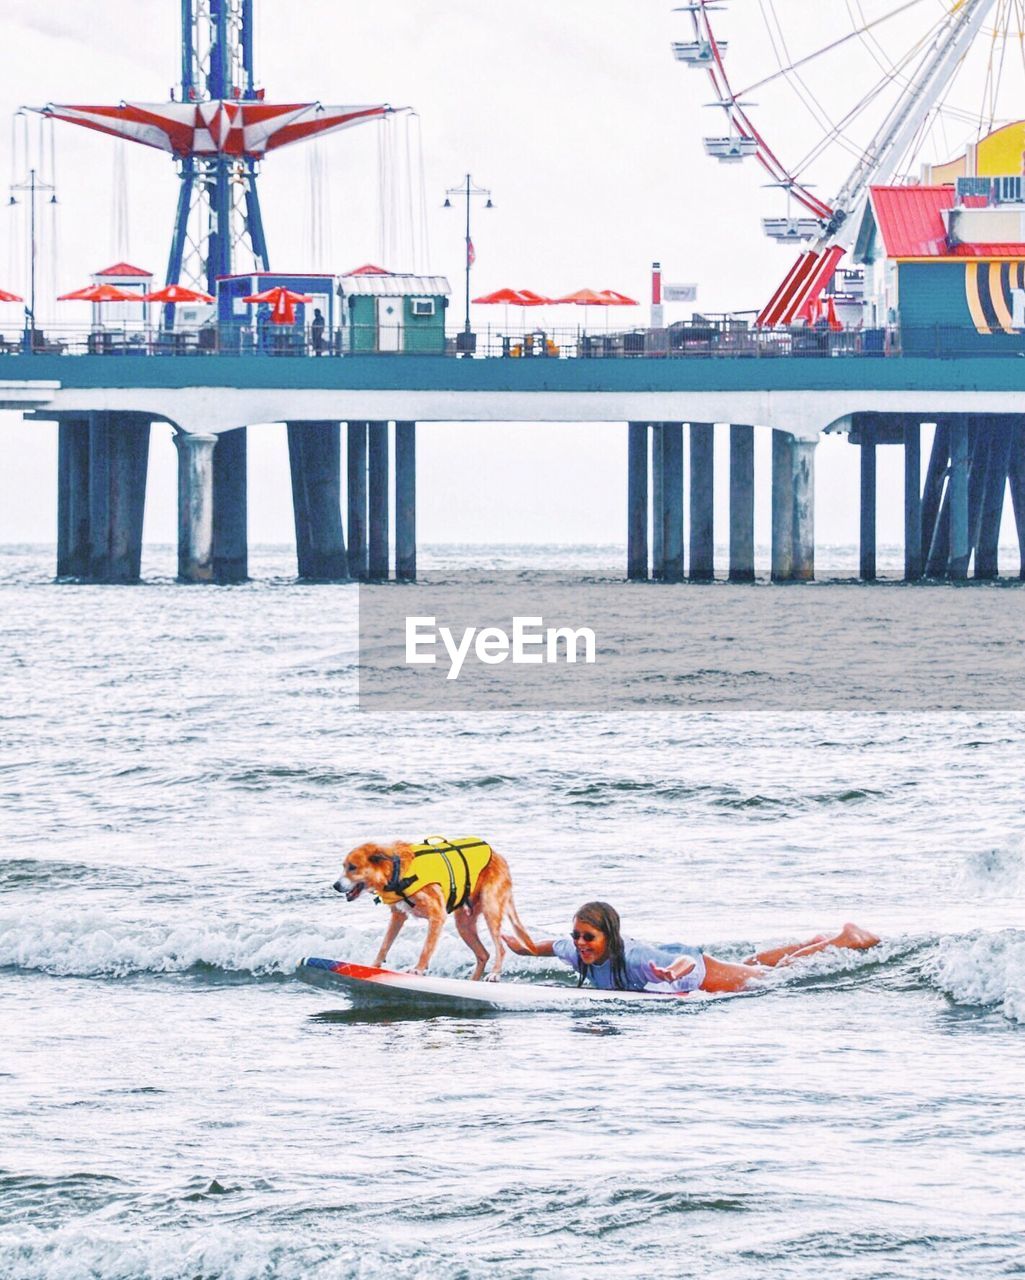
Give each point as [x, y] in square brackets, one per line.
[218, 133]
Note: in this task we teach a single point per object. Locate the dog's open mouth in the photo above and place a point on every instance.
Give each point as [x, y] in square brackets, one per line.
[354, 892]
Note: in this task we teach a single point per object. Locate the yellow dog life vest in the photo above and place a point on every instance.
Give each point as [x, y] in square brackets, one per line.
[455, 865]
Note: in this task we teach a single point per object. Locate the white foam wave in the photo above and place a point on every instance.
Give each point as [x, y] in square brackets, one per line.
[94, 944]
[91, 944]
[988, 970]
[79, 1253]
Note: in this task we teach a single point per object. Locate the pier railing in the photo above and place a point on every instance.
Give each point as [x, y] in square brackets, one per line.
[712, 337]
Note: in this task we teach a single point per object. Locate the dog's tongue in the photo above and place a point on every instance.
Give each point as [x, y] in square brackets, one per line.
[354, 893]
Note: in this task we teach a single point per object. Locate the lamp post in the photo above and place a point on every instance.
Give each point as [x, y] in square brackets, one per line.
[465, 341]
[32, 184]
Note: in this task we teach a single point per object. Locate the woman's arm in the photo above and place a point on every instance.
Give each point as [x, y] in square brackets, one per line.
[521, 948]
[670, 972]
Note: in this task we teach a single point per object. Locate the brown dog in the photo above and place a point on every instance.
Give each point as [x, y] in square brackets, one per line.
[464, 878]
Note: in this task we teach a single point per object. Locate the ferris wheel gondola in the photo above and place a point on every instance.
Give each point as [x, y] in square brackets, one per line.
[839, 98]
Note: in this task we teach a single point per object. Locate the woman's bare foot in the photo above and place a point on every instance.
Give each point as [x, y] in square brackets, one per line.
[853, 936]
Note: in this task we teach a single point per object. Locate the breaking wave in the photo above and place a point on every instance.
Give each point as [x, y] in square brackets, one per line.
[216, 1253]
[980, 970]
[91, 944]
[986, 971]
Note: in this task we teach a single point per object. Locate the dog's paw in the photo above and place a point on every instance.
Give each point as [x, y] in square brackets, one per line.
[493, 977]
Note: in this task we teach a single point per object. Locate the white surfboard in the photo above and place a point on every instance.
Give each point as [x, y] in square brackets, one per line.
[362, 983]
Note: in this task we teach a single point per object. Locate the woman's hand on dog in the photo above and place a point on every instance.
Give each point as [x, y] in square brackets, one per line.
[521, 948]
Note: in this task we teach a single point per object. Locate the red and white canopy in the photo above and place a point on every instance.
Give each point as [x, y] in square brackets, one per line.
[215, 128]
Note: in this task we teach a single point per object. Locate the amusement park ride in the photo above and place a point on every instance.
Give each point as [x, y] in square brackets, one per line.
[822, 100]
[909, 111]
[848, 102]
[218, 133]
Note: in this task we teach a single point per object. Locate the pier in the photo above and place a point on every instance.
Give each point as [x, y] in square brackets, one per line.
[361, 524]
[922, 326]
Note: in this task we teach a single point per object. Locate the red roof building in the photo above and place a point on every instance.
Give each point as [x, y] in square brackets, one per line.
[945, 265]
[917, 222]
[122, 270]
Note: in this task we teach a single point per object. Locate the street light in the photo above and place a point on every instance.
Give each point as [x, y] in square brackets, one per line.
[465, 341]
[32, 184]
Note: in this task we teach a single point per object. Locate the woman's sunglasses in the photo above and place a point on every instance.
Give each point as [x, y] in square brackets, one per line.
[579, 936]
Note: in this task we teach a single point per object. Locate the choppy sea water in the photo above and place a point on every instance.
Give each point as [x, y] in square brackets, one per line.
[181, 769]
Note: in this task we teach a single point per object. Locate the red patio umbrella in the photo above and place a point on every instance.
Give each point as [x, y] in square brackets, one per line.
[832, 319]
[503, 297]
[615, 299]
[585, 298]
[532, 299]
[9, 297]
[100, 293]
[282, 302]
[518, 297]
[500, 295]
[173, 293]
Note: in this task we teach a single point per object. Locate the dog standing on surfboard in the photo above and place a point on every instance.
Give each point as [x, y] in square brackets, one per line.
[464, 878]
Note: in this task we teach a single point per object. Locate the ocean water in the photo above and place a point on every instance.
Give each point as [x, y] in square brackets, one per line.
[181, 770]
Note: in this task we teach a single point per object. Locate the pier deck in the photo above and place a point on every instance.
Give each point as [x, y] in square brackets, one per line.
[106, 403]
[803, 397]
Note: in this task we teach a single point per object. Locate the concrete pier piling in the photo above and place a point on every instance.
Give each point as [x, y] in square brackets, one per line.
[637, 502]
[405, 501]
[702, 462]
[980, 433]
[960, 550]
[913, 565]
[658, 510]
[378, 484]
[672, 501]
[935, 510]
[867, 541]
[356, 498]
[1016, 478]
[742, 503]
[951, 521]
[314, 454]
[99, 497]
[73, 497]
[195, 506]
[230, 511]
[998, 458]
[804, 510]
[782, 506]
[118, 462]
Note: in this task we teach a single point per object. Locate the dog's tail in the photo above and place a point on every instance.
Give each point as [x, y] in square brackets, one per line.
[517, 924]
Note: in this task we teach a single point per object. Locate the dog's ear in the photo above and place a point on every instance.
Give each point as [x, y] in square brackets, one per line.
[377, 858]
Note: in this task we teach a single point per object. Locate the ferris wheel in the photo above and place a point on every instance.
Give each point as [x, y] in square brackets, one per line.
[832, 98]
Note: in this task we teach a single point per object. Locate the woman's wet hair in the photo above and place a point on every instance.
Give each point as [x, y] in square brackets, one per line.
[599, 915]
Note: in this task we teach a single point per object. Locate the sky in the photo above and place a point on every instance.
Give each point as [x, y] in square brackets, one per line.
[572, 112]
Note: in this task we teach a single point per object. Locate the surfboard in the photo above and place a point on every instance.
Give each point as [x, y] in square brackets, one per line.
[365, 984]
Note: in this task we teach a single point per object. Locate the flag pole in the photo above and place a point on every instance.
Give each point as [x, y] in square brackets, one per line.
[465, 341]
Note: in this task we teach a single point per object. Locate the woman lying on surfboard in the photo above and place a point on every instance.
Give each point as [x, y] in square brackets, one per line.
[596, 949]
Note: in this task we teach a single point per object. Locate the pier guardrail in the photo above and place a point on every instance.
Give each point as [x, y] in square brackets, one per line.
[715, 338]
